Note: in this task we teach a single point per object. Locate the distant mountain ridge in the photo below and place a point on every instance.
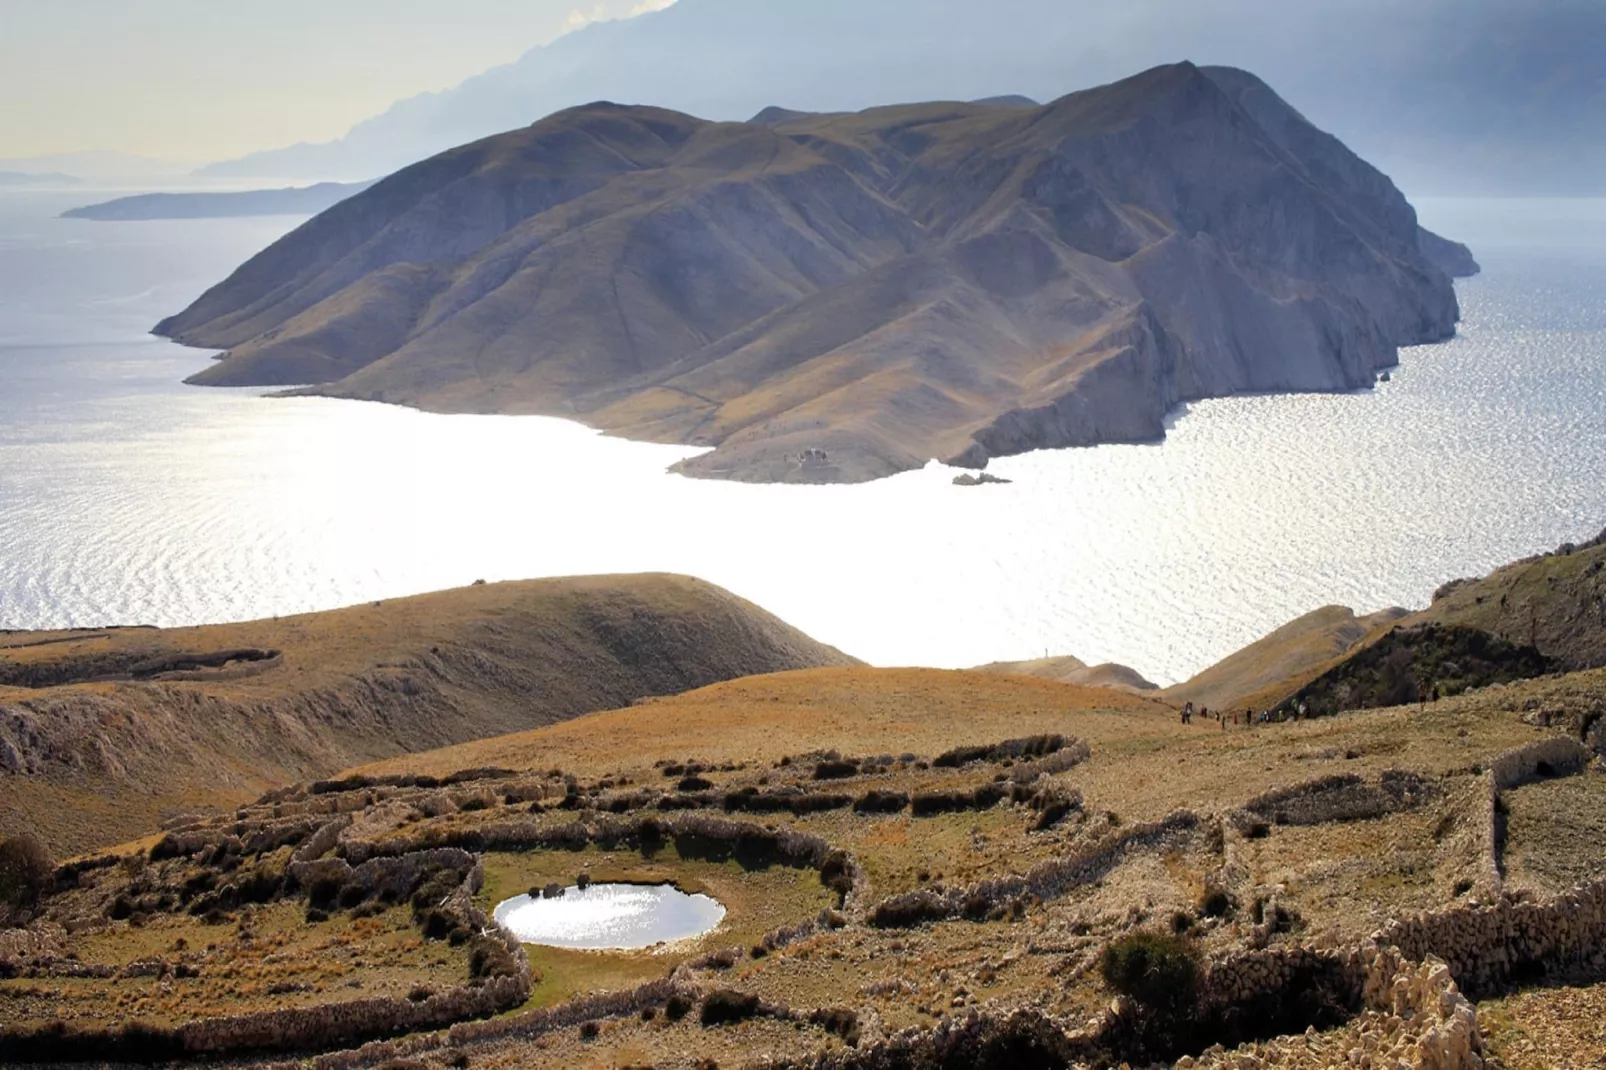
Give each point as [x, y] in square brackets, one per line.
[1465, 97]
[49, 180]
[840, 297]
[305, 200]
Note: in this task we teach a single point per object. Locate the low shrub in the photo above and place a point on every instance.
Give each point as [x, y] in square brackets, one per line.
[839, 1021]
[1157, 971]
[881, 802]
[489, 958]
[726, 1005]
[26, 874]
[909, 910]
[929, 803]
[835, 769]
[1008, 750]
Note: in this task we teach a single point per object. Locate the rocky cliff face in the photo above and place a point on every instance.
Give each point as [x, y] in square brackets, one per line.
[841, 297]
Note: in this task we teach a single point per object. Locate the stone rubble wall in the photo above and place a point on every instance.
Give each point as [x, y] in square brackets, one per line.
[1046, 880]
[323, 841]
[392, 877]
[1341, 797]
[1068, 757]
[302, 1028]
[1487, 879]
[317, 1027]
[311, 1028]
[39, 941]
[1561, 755]
[1412, 1013]
[1487, 946]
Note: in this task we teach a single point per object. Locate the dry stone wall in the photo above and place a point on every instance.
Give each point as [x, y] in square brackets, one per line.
[1489, 946]
[1047, 880]
[1552, 757]
[1342, 797]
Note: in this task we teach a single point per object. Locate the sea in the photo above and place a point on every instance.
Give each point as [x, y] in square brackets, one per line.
[127, 497]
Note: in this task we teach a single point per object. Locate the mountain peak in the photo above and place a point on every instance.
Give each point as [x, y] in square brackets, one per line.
[860, 293]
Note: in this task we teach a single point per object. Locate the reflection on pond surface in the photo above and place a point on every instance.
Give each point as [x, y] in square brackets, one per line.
[610, 916]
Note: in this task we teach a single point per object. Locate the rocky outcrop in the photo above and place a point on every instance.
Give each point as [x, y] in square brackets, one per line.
[861, 292]
[1554, 601]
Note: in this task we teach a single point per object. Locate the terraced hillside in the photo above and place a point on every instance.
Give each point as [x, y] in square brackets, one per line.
[943, 886]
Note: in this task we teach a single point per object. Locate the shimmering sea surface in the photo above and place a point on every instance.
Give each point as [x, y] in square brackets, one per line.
[126, 497]
[610, 917]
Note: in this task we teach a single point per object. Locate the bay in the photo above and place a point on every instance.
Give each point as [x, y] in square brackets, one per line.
[127, 497]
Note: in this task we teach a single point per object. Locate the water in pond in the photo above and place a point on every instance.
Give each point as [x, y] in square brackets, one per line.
[622, 917]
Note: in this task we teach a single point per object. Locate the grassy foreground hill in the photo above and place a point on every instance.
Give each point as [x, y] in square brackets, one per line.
[940, 886]
[104, 734]
[842, 297]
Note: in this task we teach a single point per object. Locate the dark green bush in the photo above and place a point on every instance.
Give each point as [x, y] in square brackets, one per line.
[1157, 971]
[490, 959]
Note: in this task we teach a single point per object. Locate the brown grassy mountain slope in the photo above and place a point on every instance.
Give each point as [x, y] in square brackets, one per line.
[857, 711]
[841, 297]
[1069, 670]
[1048, 668]
[1556, 602]
[1284, 660]
[104, 734]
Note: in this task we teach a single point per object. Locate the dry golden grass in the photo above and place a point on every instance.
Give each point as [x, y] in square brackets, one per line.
[273, 959]
[763, 719]
[111, 758]
[1145, 762]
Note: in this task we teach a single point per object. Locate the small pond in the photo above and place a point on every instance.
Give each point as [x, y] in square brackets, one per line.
[621, 917]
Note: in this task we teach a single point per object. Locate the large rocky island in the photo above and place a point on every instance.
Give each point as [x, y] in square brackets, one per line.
[841, 297]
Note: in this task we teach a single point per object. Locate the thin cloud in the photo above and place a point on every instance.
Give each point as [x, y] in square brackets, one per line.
[580, 17]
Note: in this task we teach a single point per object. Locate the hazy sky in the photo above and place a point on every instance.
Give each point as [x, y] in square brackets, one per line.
[207, 79]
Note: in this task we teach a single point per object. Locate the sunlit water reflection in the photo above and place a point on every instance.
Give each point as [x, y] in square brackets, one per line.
[127, 497]
[623, 917]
